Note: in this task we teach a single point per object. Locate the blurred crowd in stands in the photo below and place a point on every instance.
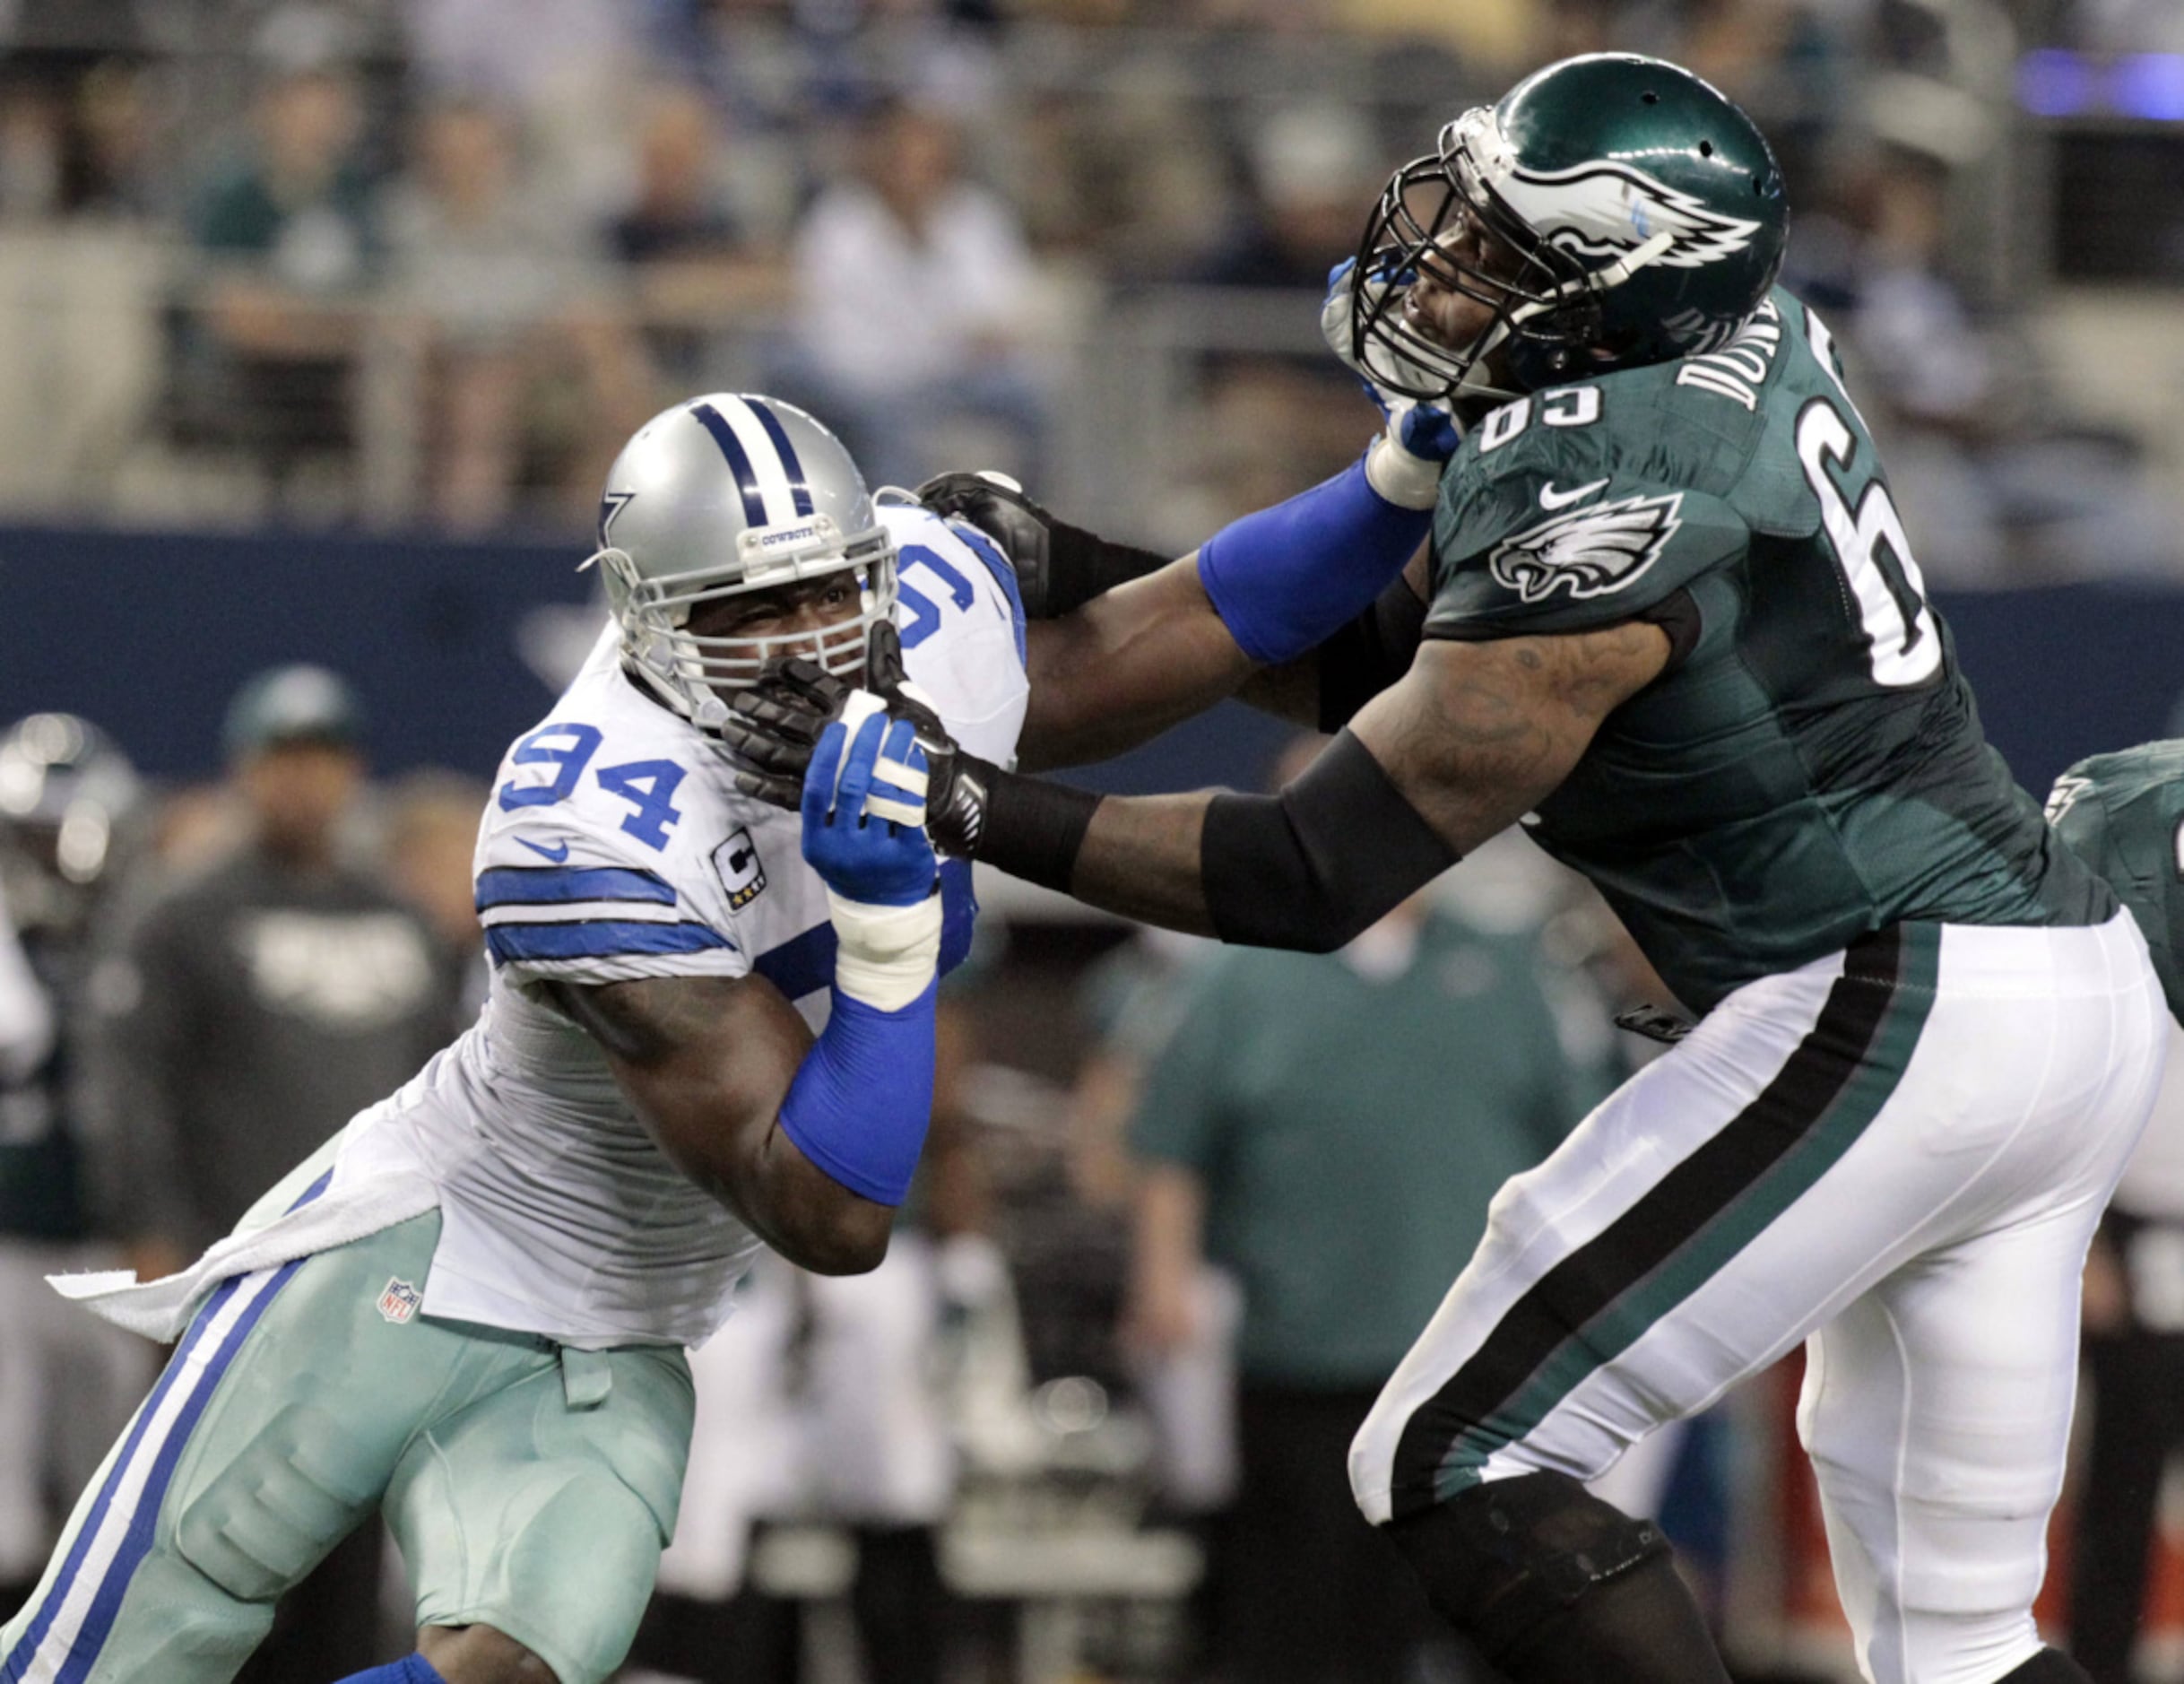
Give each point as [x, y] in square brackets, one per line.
[430, 259]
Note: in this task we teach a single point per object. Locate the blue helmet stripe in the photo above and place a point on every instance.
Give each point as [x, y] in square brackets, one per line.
[797, 488]
[739, 461]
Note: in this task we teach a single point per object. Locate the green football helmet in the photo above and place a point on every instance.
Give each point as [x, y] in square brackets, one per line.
[1644, 212]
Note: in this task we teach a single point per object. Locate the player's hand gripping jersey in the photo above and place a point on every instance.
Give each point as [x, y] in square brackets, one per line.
[1811, 767]
[615, 847]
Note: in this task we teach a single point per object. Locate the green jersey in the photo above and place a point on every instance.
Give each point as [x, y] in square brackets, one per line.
[1811, 766]
[2123, 814]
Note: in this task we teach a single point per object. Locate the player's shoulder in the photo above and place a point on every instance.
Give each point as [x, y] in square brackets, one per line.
[615, 844]
[1691, 423]
[961, 618]
[2121, 781]
[608, 777]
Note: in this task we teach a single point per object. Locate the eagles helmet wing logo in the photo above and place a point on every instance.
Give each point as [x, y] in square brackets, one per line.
[1603, 210]
[1588, 553]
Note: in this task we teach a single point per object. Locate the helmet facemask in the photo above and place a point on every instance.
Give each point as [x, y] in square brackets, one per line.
[1548, 307]
[691, 672]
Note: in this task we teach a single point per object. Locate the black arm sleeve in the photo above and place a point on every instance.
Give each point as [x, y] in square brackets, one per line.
[1369, 654]
[1336, 850]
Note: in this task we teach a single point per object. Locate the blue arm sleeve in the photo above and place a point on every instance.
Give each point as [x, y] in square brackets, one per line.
[1286, 578]
[861, 1100]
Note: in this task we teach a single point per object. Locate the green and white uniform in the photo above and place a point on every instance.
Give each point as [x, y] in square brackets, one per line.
[2123, 814]
[1931, 1037]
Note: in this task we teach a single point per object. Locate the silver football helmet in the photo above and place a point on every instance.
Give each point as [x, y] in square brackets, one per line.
[723, 495]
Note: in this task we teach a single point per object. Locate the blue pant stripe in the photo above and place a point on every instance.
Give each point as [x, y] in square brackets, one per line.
[99, 1620]
[19, 1662]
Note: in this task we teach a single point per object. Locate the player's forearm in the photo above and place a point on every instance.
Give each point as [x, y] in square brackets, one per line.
[733, 1147]
[1125, 667]
[1309, 868]
[808, 1216]
[1142, 857]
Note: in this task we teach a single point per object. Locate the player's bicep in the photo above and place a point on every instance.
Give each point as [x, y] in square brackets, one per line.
[701, 1058]
[1477, 734]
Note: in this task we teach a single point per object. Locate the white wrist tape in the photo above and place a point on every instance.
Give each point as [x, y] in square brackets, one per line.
[885, 957]
[1398, 477]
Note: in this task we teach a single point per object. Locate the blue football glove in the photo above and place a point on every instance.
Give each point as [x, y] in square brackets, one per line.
[1404, 464]
[865, 811]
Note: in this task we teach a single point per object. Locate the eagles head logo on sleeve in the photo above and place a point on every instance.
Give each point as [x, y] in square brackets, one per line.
[1589, 551]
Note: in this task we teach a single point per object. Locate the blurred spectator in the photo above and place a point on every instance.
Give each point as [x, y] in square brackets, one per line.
[691, 268]
[431, 837]
[71, 133]
[270, 998]
[1313, 166]
[565, 71]
[266, 347]
[1996, 487]
[254, 1008]
[1330, 1130]
[1129, 178]
[67, 1381]
[2134, 1317]
[532, 376]
[914, 291]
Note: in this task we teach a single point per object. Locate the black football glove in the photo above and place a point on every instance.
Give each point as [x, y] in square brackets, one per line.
[773, 725]
[997, 506]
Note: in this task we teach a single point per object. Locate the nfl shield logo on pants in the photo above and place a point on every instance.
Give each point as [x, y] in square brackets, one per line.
[400, 1301]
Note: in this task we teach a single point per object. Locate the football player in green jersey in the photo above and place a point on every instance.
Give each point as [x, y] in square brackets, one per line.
[1672, 623]
[2123, 814]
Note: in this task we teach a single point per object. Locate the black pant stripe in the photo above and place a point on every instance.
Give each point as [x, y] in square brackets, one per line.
[1561, 1301]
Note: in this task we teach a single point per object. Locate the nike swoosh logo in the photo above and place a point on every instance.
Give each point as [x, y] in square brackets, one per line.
[1551, 499]
[557, 853]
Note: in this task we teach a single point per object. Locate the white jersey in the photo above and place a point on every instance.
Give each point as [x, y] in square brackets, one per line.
[616, 846]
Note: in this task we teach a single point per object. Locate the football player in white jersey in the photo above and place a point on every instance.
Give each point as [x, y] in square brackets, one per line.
[469, 1308]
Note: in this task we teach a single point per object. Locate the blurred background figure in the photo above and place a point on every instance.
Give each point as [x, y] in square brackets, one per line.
[249, 1013]
[1311, 165]
[914, 296]
[431, 835]
[2000, 482]
[2134, 1317]
[1329, 1130]
[286, 230]
[528, 374]
[693, 266]
[70, 808]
